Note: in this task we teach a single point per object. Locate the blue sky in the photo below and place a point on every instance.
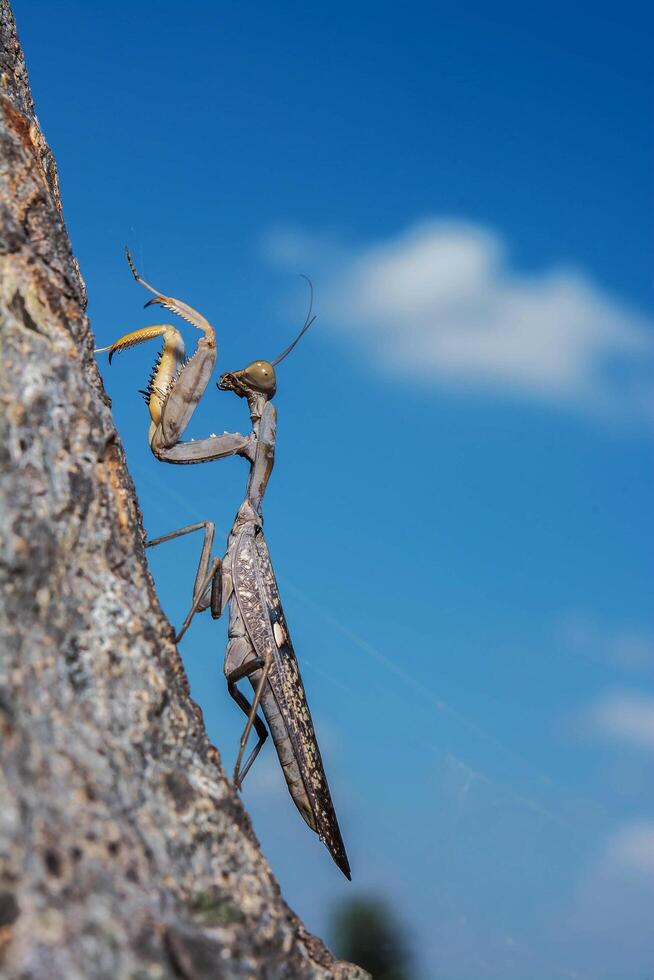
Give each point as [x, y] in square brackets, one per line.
[460, 514]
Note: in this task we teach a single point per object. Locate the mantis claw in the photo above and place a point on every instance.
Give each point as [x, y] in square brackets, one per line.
[175, 306]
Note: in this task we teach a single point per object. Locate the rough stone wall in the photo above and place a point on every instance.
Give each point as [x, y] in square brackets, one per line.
[124, 850]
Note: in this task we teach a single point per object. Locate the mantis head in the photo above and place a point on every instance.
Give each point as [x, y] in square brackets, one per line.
[258, 378]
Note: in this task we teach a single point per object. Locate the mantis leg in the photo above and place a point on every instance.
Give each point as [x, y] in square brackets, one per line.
[251, 711]
[206, 575]
[175, 305]
[177, 384]
[213, 575]
[203, 450]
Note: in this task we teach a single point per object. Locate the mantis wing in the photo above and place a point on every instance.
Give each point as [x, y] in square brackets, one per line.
[258, 598]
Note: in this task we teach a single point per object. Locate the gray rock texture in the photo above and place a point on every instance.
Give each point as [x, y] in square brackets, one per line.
[124, 850]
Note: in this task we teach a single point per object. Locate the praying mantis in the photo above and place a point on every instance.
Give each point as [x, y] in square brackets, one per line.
[259, 646]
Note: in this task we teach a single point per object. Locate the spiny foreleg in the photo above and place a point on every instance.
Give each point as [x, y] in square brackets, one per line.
[176, 384]
[188, 386]
[177, 306]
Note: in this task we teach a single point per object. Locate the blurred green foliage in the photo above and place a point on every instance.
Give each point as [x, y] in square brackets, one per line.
[365, 931]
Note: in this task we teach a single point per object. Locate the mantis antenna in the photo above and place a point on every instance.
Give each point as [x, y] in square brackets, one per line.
[307, 323]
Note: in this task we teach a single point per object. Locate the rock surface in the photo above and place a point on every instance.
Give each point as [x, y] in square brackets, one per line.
[124, 850]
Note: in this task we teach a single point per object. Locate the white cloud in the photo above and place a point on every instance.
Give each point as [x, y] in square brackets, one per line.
[628, 646]
[612, 904]
[624, 717]
[631, 848]
[439, 303]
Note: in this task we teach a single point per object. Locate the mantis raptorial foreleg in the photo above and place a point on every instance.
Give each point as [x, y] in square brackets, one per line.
[204, 450]
[177, 384]
[177, 306]
[245, 670]
[206, 575]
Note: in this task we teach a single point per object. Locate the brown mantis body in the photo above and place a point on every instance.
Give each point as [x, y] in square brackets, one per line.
[259, 645]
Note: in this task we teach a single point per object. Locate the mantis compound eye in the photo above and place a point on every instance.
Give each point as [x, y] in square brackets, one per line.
[261, 376]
